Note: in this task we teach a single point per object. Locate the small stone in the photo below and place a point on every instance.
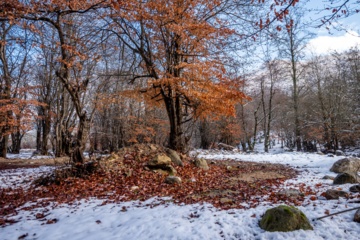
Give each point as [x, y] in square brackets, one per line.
[335, 194]
[159, 160]
[339, 153]
[357, 216]
[174, 156]
[173, 180]
[201, 163]
[134, 188]
[355, 188]
[327, 177]
[290, 192]
[226, 200]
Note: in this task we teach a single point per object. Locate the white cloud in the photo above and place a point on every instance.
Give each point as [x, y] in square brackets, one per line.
[323, 45]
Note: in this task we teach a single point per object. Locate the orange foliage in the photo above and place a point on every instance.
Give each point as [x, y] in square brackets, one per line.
[184, 57]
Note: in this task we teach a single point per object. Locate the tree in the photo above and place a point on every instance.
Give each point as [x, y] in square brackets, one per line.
[74, 44]
[179, 43]
[292, 41]
[15, 104]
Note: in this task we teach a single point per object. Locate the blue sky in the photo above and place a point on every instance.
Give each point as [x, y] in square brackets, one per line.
[343, 34]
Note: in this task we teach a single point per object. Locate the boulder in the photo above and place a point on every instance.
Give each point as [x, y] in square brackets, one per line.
[201, 163]
[173, 180]
[335, 194]
[355, 188]
[344, 178]
[174, 156]
[284, 219]
[346, 165]
[357, 216]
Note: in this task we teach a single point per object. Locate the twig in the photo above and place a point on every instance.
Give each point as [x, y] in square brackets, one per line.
[348, 210]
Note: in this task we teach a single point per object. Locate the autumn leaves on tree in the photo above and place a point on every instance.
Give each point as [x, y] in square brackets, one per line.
[179, 44]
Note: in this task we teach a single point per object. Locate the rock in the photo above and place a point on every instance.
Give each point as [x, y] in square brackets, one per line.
[328, 177]
[335, 194]
[201, 163]
[171, 170]
[343, 178]
[330, 155]
[174, 156]
[357, 216]
[346, 165]
[162, 164]
[226, 200]
[168, 169]
[158, 161]
[290, 192]
[173, 180]
[226, 147]
[339, 153]
[134, 188]
[284, 219]
[355, 188]
[230, 168]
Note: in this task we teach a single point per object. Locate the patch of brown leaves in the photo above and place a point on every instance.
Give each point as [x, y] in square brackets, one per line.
[220, 186]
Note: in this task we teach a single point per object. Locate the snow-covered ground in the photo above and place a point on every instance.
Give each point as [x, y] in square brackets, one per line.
[148, 220]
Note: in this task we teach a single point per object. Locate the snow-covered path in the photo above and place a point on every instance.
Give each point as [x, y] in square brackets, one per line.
[147, 220]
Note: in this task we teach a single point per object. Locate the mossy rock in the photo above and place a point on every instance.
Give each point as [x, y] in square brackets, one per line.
[284, 219]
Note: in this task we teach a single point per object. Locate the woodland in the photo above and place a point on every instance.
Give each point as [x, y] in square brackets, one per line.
[100, 75]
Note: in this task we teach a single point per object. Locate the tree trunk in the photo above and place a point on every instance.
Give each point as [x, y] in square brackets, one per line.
[3, 146]
[46, 123]
[173, 109]
[16, 142]
[79, 144]
[204, 134]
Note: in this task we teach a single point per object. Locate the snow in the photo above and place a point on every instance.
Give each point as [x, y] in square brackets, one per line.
[89, 219]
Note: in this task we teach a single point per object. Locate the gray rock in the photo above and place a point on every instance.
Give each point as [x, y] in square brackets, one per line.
[346, 165]
[357, 216]
[173, 180]
[290, 192]
[174, 156]
[201, 163]
[335, 194]
[328, 177]
[339, 153]
[284, 219]
[343, 178]
[355, 188]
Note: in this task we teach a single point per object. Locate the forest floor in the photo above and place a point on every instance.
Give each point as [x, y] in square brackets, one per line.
[225, 202]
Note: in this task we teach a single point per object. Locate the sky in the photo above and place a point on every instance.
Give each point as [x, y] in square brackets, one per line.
[333, 39]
